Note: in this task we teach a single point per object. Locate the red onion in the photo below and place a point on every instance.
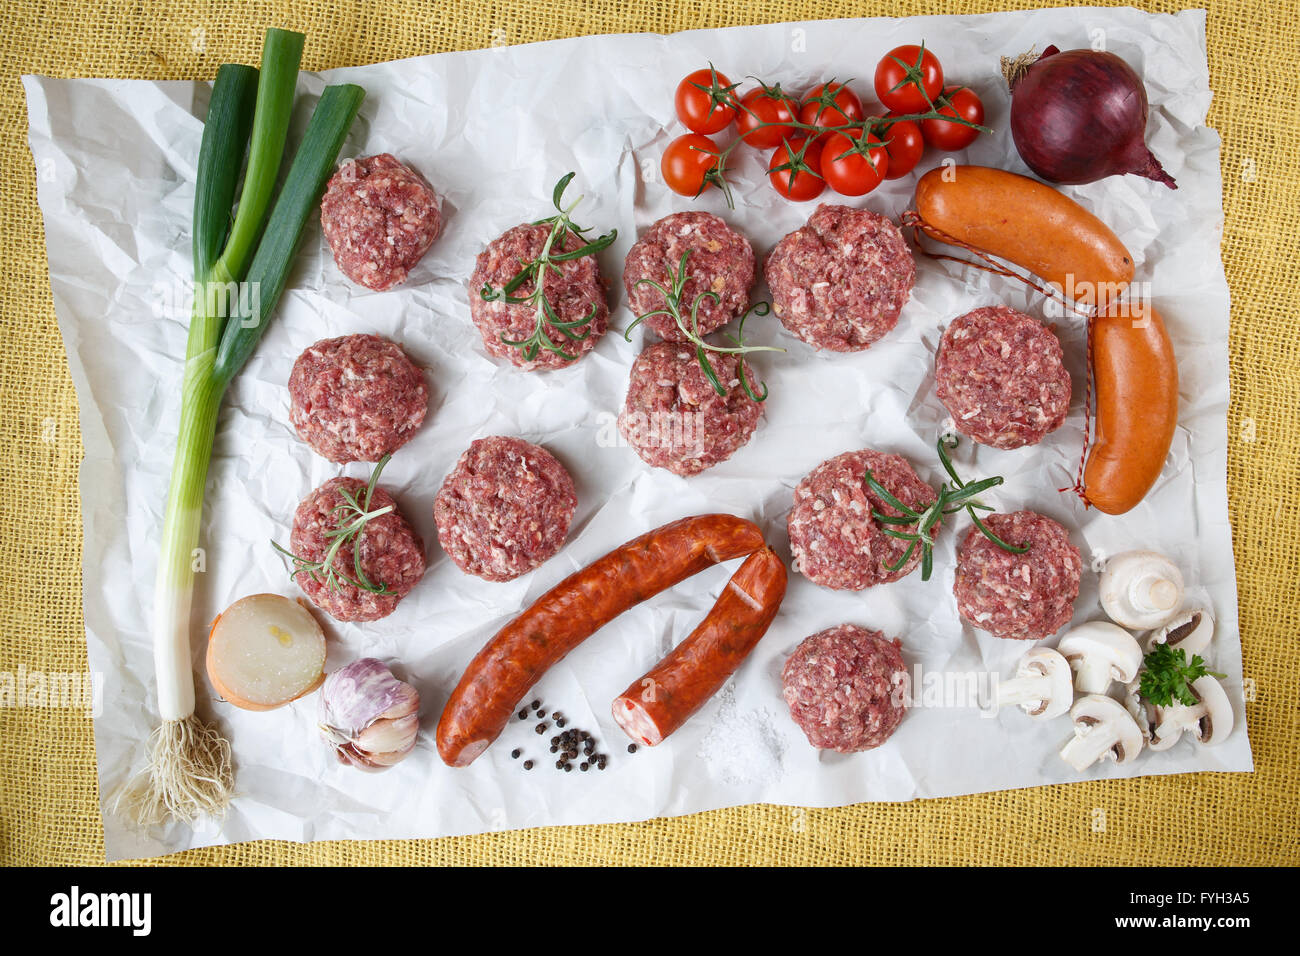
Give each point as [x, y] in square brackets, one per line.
[1080, 116]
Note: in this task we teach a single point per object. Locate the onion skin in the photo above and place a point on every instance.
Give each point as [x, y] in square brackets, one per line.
[1080, 116]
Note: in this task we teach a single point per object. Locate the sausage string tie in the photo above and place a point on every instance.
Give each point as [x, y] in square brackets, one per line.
[911, 218]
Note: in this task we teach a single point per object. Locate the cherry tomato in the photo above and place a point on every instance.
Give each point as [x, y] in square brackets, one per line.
[908, 79]
[845, 165]
[706, 102]
[830, 104]
[761, 106]
[957, 101]
[905, 145]
[687, 162]
[800, 178]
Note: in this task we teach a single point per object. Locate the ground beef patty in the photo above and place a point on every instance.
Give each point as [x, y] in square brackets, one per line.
[721, 261]
[674, 418]
[1024, 597]
[1000, 375]
[572, 295]
[846, 687]
[392, 554]
[379, 217]
[835, 540]
[505, 508]
[356, 398]
[840, 281]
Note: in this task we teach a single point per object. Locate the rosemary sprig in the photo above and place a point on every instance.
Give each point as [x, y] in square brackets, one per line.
[959, 496]
[536, 271]
[676, 309]
[352, 517]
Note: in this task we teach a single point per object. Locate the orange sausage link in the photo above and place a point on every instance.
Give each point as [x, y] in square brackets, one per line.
[1028, 224]
[1136, 377]
[521, 652]
[674, 689]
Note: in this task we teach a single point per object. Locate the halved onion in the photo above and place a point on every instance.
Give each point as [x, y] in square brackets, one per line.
[264, 651]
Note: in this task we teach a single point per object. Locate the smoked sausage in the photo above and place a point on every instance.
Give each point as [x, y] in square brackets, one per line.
[1027, 223]
[521, 652]
[1137, 405]
[658, 703]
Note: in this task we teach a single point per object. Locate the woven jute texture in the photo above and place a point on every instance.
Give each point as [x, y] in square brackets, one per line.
[49, 810]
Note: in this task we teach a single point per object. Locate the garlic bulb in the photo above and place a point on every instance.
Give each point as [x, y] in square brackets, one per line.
[369, 716]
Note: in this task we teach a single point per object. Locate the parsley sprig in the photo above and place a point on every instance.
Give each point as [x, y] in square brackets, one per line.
[1168, 676]
[959, 496]
[549, 261]
[351, 517]
[686, 316]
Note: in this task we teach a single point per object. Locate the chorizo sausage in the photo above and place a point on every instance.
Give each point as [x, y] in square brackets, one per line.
[675, 688]
[521, 652]
[1028, 224]
[1136, 378]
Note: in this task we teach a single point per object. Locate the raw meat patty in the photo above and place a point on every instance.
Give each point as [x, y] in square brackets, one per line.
[392, 554]
[505, 508]
[356, 398]
[840, 281]
[572, 294]
[846, 687]
[835, 540]
[721, 261]
[673, 418]
[379, 218]
[1023, 597]
[1000, 375]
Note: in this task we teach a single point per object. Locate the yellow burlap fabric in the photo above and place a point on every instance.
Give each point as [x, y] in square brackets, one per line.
[49, 811]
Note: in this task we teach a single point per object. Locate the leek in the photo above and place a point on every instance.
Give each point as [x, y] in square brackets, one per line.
[240, 270]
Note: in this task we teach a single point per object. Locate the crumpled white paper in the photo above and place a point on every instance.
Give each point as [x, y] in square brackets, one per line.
[493, 130]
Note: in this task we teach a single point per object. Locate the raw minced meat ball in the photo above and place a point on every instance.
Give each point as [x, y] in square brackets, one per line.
[674, 418]
[1000, 374]
[505, 508]
[573, 294]
[356, 398]
[846, 687]
[392, 554]
[721, 261]
[835, 540]
[840, 281]
[379, 217]
[1025, 596]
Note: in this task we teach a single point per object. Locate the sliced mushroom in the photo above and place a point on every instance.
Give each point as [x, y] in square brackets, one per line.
[1100, 652]
[1043, 686]
[1209, 720]
[1141, 589]
[1140, 709]
[1191, 629]
[1103, 730]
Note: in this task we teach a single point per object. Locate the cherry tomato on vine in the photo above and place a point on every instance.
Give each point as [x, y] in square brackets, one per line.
[795, 169]
[830, 104]
[852, 166]
[908, 79]
[905, 145]
[706, 101]
[959, 101]
[687, 163]
[762, 106]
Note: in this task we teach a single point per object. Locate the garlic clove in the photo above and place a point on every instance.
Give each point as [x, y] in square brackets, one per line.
[385, 735]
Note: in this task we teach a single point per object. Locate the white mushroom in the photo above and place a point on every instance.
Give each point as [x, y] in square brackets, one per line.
[1191, 629]
[1209, 719]
[1099, 653]
[1043, 686]
[1103, 730]
[1141, 589]
[1140, 709]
